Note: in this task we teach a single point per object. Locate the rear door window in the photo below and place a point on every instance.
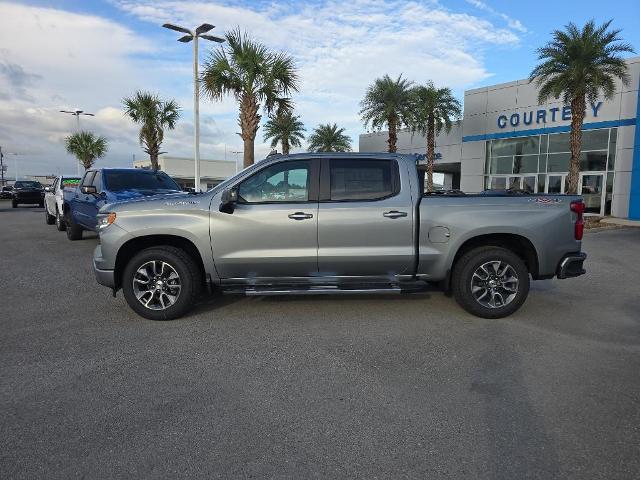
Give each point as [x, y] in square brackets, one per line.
[362, 180]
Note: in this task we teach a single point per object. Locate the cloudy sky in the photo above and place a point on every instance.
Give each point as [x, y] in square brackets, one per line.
[89, 54]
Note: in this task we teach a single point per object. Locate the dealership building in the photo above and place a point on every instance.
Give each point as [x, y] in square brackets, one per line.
[506, 139]
[181, 169]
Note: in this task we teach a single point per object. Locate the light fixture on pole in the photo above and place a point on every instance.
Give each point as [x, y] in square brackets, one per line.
[77, 114]
[236, 160]
[193, 36]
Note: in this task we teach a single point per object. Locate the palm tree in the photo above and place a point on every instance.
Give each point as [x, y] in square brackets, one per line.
[284, 128]
[153, 115]
[329, 138]
[433, 109]
[86, 147]
[578, 64]
[387, 102]
[254, 75]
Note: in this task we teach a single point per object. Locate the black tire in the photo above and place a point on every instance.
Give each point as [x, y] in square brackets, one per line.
[14, 204]
[472, 261]
[60, 223]
[49, 219]
[74, 231]
[189, 276]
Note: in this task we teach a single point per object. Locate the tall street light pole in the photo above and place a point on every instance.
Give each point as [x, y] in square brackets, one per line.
[77, 114]
[193, 36]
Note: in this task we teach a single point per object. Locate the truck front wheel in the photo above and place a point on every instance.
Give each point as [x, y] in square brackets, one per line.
[74, 231]
[490, 282]
[161, 283]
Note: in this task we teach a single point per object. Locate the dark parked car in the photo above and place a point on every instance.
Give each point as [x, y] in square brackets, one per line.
[6, 192]
[27, 192]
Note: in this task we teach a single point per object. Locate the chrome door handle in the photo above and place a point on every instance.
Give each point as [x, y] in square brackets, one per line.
[300, 216]
[394, 214]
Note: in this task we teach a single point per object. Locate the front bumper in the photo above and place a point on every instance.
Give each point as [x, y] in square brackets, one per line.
[28, 197]
[571, 265]
[103, 277]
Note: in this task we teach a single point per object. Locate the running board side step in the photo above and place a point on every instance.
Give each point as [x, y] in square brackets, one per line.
[321, 291]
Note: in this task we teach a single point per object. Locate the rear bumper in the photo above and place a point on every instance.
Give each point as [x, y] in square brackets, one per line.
[571, 265]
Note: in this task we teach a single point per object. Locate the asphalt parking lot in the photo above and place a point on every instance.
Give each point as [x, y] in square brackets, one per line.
[312, 387]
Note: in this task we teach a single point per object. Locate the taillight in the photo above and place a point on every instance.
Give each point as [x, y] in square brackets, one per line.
[578, 207]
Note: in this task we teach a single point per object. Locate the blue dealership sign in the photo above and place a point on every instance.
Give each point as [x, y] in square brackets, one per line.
[543, 116]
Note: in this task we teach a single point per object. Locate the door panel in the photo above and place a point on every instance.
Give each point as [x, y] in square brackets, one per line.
[273, 230]
[368, 237]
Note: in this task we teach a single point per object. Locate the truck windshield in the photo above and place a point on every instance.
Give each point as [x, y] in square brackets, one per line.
[120, 181]
[27, 185]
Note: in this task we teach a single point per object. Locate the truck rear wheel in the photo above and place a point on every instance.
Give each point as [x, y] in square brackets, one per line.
[161, 283]
[60, 224]
[74, 231]
[490, 282]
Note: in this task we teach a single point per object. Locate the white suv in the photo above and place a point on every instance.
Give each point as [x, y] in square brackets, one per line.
[53, 200]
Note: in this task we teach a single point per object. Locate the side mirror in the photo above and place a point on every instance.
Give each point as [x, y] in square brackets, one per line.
[229, 200]
[89, 190]
[47, 189]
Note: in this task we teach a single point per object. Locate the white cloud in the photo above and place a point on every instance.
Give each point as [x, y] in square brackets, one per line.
[511, 22]
[70, 60]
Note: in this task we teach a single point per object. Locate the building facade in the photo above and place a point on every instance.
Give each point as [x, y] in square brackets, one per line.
[212, 172]
[506, 139]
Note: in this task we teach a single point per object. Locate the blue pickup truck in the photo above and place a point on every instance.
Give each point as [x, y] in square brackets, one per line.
[109, 185]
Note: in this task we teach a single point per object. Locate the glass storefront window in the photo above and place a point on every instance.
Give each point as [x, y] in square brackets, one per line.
[558, 143]
[515, 146]
[612, 148]
[541, 163]
[498, 183]
[501, 165]
[595, 140]
[558, 162]
[525, 164]
[609, 194]
[593, 161]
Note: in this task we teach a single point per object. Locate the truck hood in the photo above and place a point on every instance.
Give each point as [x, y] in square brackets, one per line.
[152, 201]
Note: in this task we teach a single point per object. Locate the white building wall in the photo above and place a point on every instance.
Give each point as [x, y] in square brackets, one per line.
[211, 171]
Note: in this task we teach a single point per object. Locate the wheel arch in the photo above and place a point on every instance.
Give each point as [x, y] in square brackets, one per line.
[137, 244]
[518, 244]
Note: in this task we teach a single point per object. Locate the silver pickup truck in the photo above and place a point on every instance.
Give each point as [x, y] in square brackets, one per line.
[334, 224]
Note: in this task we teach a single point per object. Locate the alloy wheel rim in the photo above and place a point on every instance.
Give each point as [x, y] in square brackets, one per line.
[156, 285]
[494, 284]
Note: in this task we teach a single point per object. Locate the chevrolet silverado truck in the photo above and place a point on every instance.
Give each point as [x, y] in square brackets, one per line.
[335, 223]
[106, 186]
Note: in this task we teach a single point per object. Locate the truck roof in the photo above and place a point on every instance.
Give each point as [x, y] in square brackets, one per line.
[353, 155]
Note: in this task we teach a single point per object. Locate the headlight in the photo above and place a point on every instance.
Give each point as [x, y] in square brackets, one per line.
[106, 219]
